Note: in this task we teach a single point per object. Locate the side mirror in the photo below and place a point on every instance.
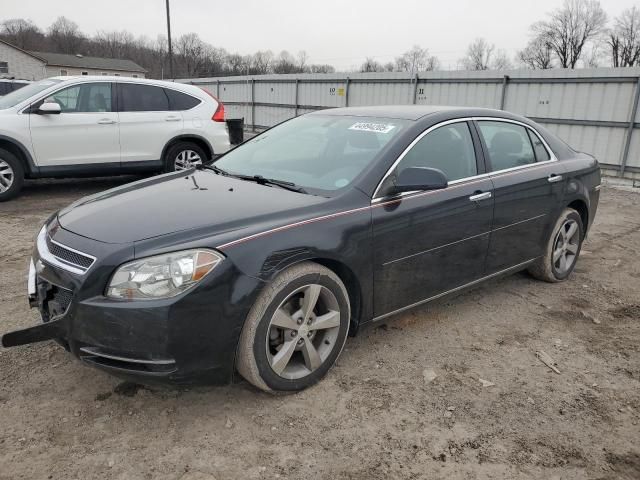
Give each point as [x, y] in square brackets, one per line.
[49, 108]
[419, 178]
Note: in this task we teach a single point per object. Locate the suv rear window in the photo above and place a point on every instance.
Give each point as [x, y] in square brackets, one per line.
[142, 98]
[180, 101]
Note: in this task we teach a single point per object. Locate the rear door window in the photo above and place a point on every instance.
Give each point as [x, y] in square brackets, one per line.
[542, 155]
[179, 101]
[508, 144]
[142, 98]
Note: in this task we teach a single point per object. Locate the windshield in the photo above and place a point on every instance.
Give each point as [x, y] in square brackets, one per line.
[321, 152]
[18, 96]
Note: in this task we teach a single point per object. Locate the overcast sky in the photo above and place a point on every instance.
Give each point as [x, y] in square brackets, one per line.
[341, 33]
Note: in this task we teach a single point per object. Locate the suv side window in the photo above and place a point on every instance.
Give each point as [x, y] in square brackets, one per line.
[508, 144]
[448, 148]
[179, 101]
[83, 98]
[142, 98]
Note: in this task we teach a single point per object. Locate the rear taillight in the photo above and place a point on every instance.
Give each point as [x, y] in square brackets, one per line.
[218, 115]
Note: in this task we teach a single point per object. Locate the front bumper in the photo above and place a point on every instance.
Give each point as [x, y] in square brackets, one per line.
[191, 338]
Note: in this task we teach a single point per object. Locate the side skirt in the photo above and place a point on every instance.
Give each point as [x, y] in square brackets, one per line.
[507, 271]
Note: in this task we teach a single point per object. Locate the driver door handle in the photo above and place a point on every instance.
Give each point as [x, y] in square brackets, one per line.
[553, 178]
[106, 121]
[480, 196]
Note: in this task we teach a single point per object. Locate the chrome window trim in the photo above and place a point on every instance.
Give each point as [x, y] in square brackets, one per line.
[47, 256]
[552, 157]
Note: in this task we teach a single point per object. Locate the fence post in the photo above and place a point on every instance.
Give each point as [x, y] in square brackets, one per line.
[296, 112]
[346, 92]
[253, 104]
[415, 89]
[503, 97]
[218, 88]
[632, 121]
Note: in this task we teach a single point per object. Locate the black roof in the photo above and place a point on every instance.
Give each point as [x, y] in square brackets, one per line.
[410, 112]
[95, 63]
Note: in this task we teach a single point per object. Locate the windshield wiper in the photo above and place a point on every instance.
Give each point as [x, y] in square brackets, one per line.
[212, 167]
[272, 181]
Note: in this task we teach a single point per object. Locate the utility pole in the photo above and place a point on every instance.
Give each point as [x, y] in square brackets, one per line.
[169, 39]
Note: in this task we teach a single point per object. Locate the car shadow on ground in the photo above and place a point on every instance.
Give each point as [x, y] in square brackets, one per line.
[83, 186]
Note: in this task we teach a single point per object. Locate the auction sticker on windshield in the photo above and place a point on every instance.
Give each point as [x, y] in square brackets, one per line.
[372, 127]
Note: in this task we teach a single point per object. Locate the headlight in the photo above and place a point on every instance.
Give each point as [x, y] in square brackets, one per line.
[162, 276]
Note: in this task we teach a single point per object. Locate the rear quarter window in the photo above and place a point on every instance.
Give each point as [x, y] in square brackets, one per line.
[180, 101]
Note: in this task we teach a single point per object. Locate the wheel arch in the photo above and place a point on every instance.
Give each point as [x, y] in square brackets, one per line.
[582, 208]
[189, 137]
[21, 153]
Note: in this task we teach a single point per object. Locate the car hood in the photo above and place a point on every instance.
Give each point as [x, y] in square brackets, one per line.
[177, 202]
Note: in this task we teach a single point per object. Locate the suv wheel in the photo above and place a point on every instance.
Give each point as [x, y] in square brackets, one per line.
[183, 156]
[11, 175]
[295, 330]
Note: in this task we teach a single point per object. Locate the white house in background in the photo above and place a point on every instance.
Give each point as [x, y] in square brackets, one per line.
[18, 63]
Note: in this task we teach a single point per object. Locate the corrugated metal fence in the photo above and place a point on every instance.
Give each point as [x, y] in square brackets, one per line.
[594, 110]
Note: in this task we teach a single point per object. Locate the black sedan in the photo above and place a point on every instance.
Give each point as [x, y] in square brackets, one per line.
[265, 261]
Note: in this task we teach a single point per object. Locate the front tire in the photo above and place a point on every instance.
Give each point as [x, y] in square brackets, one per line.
[11, 175]
[184, 155]
[562, 249]
[296, 329]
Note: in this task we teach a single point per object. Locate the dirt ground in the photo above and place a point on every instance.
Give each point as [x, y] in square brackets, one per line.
[379, 414]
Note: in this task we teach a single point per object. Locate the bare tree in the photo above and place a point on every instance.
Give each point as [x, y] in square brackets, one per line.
[21, 33]
[262, 61]
[114, 44]
[624, 39]
[537, 54]
[417, 60]
[321, 68]
[479, 55]
[66, 35]
[371, 65]
[191, 50]
[302, 60]
[285, 63]
[571, 27]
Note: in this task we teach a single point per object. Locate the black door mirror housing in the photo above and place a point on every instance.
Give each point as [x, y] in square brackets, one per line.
[418, 178]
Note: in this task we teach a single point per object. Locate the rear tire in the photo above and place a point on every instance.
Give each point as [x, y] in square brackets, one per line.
[184, 155]
[296, 329]
[11, 175]
[562, 249]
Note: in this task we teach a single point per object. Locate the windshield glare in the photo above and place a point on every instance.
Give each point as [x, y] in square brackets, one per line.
[22, 94]
[321, 152]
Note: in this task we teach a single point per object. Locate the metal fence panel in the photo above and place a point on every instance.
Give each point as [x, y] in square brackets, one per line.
[593, 110]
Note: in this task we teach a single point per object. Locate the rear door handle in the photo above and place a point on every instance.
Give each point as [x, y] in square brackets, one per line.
[106, 121]
[480, 196]
[553, 178]
[172, 119]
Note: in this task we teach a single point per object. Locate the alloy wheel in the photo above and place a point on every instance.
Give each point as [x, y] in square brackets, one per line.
[303, 331]
[565, 247]
[6, 176]
[187, 159]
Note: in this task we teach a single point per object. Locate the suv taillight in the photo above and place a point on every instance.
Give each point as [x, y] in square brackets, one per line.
[218, 115]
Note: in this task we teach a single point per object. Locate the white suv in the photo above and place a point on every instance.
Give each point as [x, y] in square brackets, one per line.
[86, 126]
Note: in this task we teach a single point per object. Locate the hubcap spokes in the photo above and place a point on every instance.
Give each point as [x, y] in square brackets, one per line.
[565, 248]
[303, 331]
[6, 176]
[187, 159]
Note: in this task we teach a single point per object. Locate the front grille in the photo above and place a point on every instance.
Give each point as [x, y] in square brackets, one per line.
[65, 254]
